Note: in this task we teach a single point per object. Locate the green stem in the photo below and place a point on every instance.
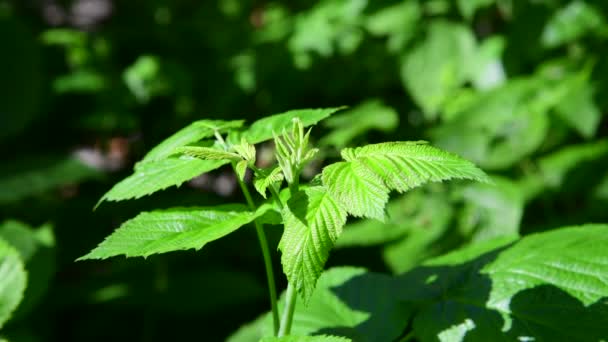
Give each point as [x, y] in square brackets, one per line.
[259, 228]
[290, 305]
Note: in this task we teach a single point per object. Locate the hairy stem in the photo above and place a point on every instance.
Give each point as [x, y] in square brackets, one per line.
[259, 228]
[290, 305]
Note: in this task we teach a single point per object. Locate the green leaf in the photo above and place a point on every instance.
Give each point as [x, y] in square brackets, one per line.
[317, 338]
[397, 22]
[469, 7]
[267, 178]
[14, 281]
[173, 229]
[527, 290]
[577, 106]
[491, 210]
[570, 23]
[263, 129]
[370, 115]
[241, 169]
[555, 167]
[36, 248]
[572, 259]
[207, 153]
[27, 177]
[361, 192]
[313, 221]
[434, 69]
[406, 165]
[192, 133]
[428, 218]
[348, 302]
[153, 176]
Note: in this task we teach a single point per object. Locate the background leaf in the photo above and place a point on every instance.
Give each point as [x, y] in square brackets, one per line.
[14, 280]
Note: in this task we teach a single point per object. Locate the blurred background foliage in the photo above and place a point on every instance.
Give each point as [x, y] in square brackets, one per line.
[88, 86]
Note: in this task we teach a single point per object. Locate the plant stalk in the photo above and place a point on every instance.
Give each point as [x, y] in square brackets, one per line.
[259, 228]
[290, 306]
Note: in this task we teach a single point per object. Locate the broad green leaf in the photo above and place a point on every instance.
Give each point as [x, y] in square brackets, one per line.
[406, 165]
[577, 106]
[526, 290]
[361, 192]
[490, 72]
[267, 178]
[570, 23]
[313, 222]
[192, 133]
[153, 176]
[469, 7]
[13, 281]
[28, 177]
[317, 338]
[434, 69]
[502, 125]
[397, 22]
[170, 230]
[555, 167]
[491, 210]
[36, 248]
[572, 259]
[262, 129]
[429, 220]
[328, 25]
[208, 153]
[370, 115]
[348, 302]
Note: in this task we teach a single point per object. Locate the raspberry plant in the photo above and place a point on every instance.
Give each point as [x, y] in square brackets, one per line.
[312, 214]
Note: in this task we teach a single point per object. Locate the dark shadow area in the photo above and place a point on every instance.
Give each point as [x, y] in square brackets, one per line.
[451, 300]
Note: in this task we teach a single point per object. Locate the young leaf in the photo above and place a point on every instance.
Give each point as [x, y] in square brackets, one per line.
[189, 134]
[266, 179]
[263, 129]
[406, 165]
[313, 221]
[172, 230]
[13, 281]
[153, 176]
[357, 188]
[241, 169]
[362, 183]
[207, 153]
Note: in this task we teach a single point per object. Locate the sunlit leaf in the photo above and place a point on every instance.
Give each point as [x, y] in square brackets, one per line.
[14, 281]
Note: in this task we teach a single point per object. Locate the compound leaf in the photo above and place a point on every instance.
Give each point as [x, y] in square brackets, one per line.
[362, 183]
[13, 283]
[313, 221]
[175, 229]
